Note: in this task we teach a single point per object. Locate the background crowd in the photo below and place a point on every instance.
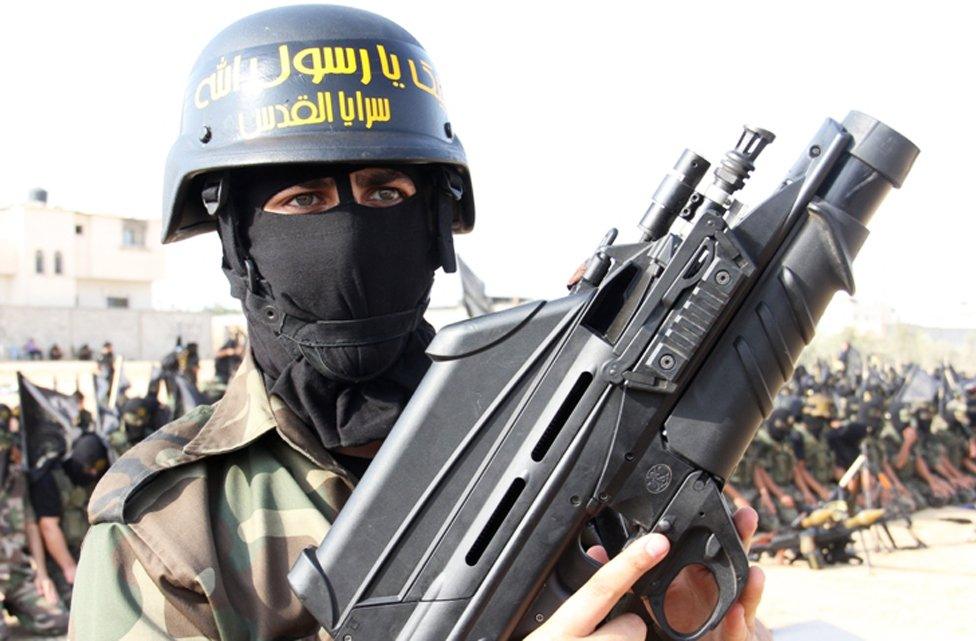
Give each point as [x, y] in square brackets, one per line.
[53, 451]
[852, 445]
[849, 445]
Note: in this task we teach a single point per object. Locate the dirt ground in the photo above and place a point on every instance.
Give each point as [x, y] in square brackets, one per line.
[916, 594]
[906, 594]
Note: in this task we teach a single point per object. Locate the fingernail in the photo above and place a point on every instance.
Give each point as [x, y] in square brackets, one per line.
[657, 545]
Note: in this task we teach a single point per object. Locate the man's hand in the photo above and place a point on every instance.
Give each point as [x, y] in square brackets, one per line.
[45, 588]
[579, 617]
[787, 501]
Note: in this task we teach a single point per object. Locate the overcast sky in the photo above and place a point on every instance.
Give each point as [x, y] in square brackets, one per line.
[570, 112]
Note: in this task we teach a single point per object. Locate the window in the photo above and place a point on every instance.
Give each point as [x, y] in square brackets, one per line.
[39, 261]
[58, 263]
[117, 302]
[79, 230]
[133, 233]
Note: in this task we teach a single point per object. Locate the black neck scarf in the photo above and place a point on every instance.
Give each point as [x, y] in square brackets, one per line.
[353, 283]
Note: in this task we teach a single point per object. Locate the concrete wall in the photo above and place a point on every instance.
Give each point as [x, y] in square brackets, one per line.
[135, 334]
[95, 293]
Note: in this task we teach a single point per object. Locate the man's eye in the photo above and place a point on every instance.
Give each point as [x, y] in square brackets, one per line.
[386, 195]
[304, 200]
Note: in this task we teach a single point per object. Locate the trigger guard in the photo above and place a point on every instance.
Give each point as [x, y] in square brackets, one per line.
[725, 583]
[701, 532]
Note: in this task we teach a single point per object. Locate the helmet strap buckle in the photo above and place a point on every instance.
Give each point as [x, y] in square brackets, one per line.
[450, 190]
[213, 195]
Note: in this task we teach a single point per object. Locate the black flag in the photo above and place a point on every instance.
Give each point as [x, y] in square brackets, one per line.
[47, 423]
[919, 387]
[853, 366]
[186, 396]
[476, 302]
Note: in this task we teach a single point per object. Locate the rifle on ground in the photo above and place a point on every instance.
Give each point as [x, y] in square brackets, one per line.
[625, 404]
[821, 538]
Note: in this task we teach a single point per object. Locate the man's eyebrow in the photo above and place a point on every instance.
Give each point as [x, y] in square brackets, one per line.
[315, 182]
[374, 177]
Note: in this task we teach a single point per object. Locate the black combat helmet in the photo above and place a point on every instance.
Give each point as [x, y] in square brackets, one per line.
[309, 84]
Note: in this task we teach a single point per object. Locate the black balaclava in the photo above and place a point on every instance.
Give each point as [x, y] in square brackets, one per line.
[923, 420]
[135, 419]
[343, 340]
[815, 424]
[87, 452]
[778, 424]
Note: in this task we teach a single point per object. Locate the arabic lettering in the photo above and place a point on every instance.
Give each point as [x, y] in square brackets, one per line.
[258, 73]
[353, 108]
[390, 66]
[431, 88]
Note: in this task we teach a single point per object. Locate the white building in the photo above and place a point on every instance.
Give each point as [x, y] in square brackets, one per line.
[55, 257]
[71, 278]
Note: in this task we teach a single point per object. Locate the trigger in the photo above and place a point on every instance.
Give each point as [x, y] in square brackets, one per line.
[712, 548]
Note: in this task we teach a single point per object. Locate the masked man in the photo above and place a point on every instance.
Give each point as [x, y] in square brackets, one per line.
[316, 143]
[26, 590]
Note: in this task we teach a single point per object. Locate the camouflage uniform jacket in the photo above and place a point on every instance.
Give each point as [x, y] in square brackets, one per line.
[953, 444]
[819, 457]
[741, 477]
[892, 441]
[195, 528]
[776, 457]
[15, 510]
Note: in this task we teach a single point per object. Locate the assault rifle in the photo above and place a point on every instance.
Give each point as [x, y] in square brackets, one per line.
[822, 537]
[625, 405]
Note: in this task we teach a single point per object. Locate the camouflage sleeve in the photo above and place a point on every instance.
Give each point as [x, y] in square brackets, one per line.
[931, 452]
[116, 598]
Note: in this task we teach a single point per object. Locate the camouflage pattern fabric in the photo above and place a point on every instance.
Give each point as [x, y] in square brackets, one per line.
[74, 502]
[892, 441]
[778, 459]
[819, 456]
[931, 450]
[954, 444]
[17, 591]
[741, 477]
[34, 614]
[195, 528]
[14, 511]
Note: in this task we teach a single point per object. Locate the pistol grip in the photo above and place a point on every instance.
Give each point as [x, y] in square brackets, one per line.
[701, 532]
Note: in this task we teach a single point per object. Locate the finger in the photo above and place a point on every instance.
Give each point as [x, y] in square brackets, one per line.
[734, 624]
[627, 627]
[752, 594]
[598, 553]
[583, 611]
[746, 521]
